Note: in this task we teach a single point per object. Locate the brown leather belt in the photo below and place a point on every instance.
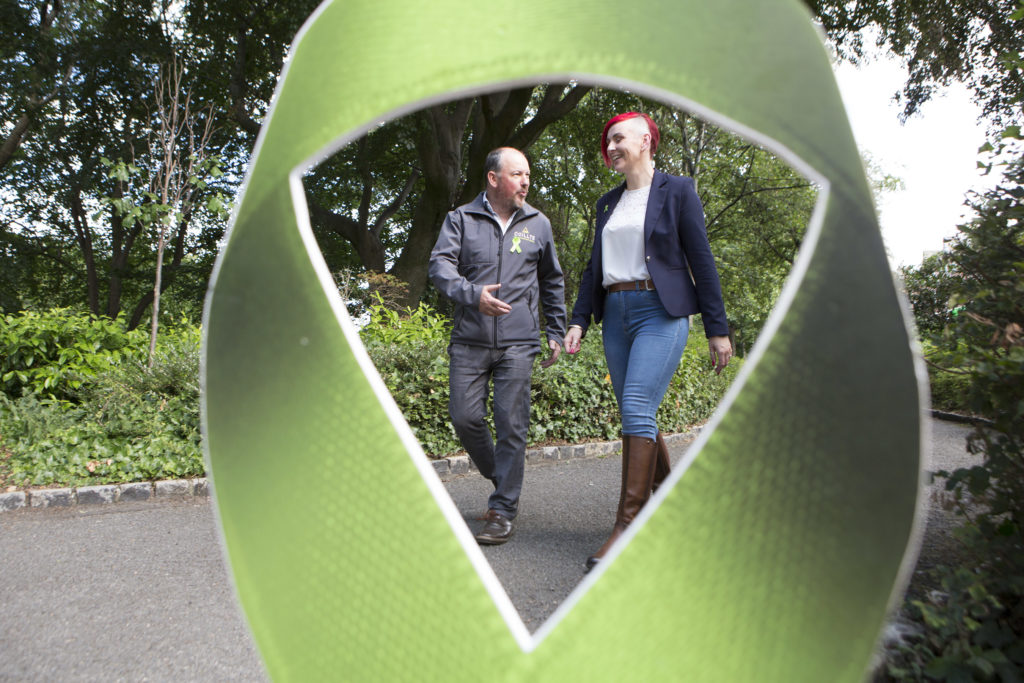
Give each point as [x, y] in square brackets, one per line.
[634, 286]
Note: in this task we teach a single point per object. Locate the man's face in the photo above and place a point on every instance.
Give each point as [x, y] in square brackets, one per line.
[508, 185]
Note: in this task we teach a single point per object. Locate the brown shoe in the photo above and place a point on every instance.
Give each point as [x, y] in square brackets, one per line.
[497, 530]
[638, 460]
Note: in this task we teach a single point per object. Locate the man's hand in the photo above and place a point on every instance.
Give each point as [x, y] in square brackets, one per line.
[489, 305]
[556, 349]
[721, 352]
[572, 339]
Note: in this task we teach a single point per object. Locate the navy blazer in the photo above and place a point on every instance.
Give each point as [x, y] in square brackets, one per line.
[675, 246]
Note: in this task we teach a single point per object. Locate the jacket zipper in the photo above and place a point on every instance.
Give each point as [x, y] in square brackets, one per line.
[501, 250]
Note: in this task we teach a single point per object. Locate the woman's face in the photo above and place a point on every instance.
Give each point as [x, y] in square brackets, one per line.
[629, 144]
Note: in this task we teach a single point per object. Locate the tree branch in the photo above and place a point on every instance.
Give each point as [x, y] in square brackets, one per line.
[17, 135]
[748, 193]
[396, 204]
[367, 246]
[550, 110]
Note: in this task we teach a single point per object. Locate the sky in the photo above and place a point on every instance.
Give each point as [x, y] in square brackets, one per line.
[935, 153]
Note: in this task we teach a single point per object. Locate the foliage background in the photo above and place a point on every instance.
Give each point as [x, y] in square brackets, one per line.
[83, 408]
[968, 304]
[78, 87]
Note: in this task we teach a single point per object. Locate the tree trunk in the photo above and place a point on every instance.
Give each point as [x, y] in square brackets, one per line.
[441, 159]
[83, 236]
[118, 260]
[367, 245]
[122, 242]
[155, 319]
[13, 140]
[411, 266]
[165, 282]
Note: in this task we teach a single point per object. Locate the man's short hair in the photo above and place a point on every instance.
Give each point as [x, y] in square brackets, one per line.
[493, 161]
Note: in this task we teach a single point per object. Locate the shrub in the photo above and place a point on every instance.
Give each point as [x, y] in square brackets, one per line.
[144, 438]
[412, 326]
[572, 401]
[974, 626]
[416, 374]
[127, 423]
[53, 352]
[948, 377]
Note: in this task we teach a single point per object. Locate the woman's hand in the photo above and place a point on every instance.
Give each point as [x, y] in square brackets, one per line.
[721, 352]
[572, 339]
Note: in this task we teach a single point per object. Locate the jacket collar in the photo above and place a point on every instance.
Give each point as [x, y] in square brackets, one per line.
[477, 206]
[655, 201]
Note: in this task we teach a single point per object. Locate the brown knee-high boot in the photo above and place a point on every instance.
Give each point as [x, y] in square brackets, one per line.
[638, 459]
[662, 464]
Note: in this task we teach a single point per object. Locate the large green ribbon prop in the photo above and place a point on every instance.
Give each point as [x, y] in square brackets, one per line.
[772, 557]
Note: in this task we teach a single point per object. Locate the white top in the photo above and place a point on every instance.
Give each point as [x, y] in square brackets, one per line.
[622, 241]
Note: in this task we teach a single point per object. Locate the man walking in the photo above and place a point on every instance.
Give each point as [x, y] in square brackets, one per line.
[495, 258]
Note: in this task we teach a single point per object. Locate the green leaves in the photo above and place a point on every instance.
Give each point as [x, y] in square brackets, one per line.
[973, 325]
[52, 352]
[572, 401]
[970, 632]
[125, 423]
[420, 325]
[140, 437]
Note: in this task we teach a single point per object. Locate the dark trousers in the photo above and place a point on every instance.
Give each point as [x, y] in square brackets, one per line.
[502, 460]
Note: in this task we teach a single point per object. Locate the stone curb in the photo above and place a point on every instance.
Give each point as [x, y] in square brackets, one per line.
[184, 489]
[963, 419]
[458, 465]
[172, 489]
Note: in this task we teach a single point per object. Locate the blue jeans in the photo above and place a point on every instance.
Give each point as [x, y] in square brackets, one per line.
[643, 345]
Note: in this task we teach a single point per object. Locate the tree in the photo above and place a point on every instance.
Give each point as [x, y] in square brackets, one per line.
[975, 42]
[55, 181]
[173, 188]
[378, 187]
[929, 288]
[377, 205]
[239, 50]
[404, 177]
[569, 175]
[757, 208]
[973, 628]
[37, 57]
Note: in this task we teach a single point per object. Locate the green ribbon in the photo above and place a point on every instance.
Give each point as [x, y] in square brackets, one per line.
[773, 552]
[516, 249]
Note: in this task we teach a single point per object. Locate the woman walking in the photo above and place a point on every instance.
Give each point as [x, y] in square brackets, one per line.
[650, 269]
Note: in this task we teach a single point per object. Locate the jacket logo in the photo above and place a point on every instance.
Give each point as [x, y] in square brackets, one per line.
[518, 237]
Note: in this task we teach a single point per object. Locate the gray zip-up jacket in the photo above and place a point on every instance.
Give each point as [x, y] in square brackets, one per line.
[471, 252]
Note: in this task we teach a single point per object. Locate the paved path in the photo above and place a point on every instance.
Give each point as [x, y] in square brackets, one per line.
[139, 592]
[126, 592]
